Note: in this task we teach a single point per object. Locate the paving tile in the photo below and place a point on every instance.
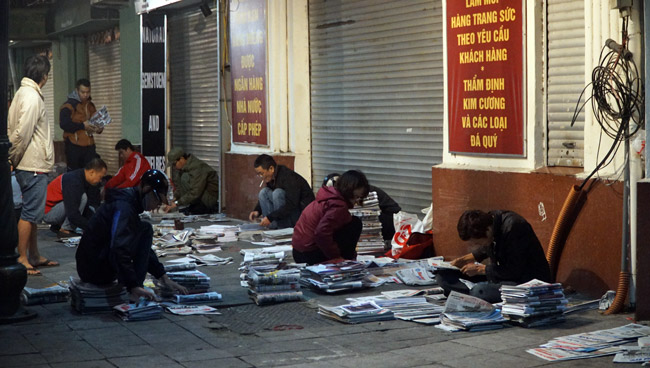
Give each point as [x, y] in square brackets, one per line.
[273, 359]
[221, 363]
[287, 335]
[88, 364]
[19, 344]
[76, 351]
[492, 359]
[439, 352]
[157, 361]
[384, 360]
[22, 360]
[338, 330]
[191, 353]
[117, 351]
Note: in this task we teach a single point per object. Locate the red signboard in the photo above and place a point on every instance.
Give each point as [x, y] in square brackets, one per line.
[485, 71]
[248, 70]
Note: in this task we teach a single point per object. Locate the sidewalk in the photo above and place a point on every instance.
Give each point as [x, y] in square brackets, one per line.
[245, 335]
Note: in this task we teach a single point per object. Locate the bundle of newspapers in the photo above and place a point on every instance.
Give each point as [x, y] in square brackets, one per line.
[52, 294]
[371, 240]
[278, 237]
[468, 313]
[195, 281]
[331, 278]
[89, 298]
[592, 344]
[266, 287]
[263, 259]
[141, 311]
[356, 312]
[100, 118]
[201, 298]
[534, 303]
[226, 233]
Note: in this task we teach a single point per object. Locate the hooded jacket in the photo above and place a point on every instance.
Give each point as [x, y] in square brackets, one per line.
[320, 220]
[130, 173]
[112, 238]
[32, 148]
[195, 182]
[72, 115]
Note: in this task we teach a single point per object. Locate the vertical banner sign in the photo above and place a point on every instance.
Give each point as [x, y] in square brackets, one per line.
[248, 70]
[153, 83]
[485, 71]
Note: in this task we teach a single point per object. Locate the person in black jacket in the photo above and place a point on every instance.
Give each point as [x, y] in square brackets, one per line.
[73, 197]
[507, 239]
[283, 198]
[117, 244]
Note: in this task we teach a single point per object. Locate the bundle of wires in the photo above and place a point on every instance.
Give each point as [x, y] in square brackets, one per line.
[616, 97]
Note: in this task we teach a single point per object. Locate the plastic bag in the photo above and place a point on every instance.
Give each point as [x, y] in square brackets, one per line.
[427, 222]
[405, 224]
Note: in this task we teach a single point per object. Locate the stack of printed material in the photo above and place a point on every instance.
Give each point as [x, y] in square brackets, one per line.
[195, 281]
[278, 237]
[370, 241]
[468, 313]
[590, 344]
[141, 311]
[356, 312]
[416, 309]
[226, 233]
[534, 303]
[263, 260]
[88, 298]
[415, 275]
[52, 294]
[172, 242]
[202, 298]
[332, 278]
[100, 118]
[275, 286]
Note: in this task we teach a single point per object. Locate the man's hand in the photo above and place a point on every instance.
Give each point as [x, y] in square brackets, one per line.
[464, 260]
[140, 292]
[168, 208]
[173, 284]
[473, 269]
[265, 222]
[253, 215]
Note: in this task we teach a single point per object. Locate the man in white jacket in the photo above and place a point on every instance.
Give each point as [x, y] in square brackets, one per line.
[32, 155]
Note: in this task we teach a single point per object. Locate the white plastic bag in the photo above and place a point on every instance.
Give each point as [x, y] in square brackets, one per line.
[428, 218]
[405, 224]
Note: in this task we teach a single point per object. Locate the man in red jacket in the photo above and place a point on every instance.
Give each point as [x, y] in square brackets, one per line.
[134, 166]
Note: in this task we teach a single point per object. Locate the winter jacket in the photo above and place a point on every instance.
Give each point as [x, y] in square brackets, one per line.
[130, 173]
[516, 254]
[69, 188]
[72, 115]
[298, 193]
[195, 182]
[32, 148]
[112, 237]
[319, 221]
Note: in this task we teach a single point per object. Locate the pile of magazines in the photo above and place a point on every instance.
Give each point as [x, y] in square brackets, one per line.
[534, 303]
[89, 298]
[142, 311]
[370, 241]
[468, 313]
[275, 286]
[331, 278]
[356, 312]
[52, 294]
[195, 281]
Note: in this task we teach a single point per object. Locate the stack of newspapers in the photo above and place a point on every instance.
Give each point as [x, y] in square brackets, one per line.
[356, 312]
[141, 311]
[195, 281]
[370, 241]
[194, 299]
[52, 294]
[263, 259]
[266, 287]
[534, 303]
[469, 313]
[278, 237]
[89, 298]
[331, 278]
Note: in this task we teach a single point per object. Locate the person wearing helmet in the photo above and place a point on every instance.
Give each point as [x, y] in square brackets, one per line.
[117, 243]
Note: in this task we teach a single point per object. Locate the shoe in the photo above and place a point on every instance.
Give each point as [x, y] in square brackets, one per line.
[69, 234]
[55, 228]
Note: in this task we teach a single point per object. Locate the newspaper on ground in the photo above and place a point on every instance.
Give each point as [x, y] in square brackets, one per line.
[188, 310]
[52, 294]
[356, 313]
[415, 276]
[141, 311]
[201, 298]
[469, 313]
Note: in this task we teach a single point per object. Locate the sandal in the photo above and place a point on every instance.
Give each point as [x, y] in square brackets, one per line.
[33, 272]
[46, 263]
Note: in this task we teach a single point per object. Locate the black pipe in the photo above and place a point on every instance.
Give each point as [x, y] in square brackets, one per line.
[13, 275]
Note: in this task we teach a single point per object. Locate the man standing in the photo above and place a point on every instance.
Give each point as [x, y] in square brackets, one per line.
[117, 244]
[283, 198]
[196, 184]
[32, 155]
[73, 197]
[135, 164]
[77, 131]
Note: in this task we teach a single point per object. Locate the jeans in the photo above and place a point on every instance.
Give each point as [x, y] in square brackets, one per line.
[57, 216]
[34, 188]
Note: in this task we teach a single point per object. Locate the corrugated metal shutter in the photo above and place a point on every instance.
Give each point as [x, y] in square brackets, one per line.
[377, 93]
[106, 89]
[566, 79]
[194, 78]
[50, 109]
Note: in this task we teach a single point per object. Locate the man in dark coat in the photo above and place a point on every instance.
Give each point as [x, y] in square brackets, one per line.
[196, 184]
[283, 198]
[117, 244]
[507, 239]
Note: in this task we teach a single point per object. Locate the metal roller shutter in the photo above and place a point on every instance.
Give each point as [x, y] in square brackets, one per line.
[106, 89]
[51, 110]
[193, 71]
[377, 93]
[566, 79]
